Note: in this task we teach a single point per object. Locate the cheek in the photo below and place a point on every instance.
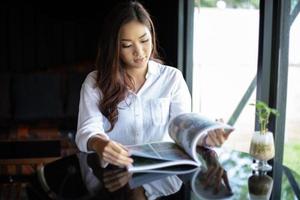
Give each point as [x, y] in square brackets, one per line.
[148, 48]
[124, 55]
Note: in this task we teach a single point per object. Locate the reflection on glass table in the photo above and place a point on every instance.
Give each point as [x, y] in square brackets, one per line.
[260, 185]
[224, 174]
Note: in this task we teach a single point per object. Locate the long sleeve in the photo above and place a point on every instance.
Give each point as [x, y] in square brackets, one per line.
[90, 119]
[181, 98]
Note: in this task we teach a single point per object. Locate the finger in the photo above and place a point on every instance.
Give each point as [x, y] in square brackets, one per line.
[119, 149]
[207, 175]
[122, 146]
[122, 180]
[218, 181]
[115, 176]
[118, 183]
[226, 134]
[117, 159]
[211, 139]
[213, 173]
[111, 187]
[225, 179]
[117, 152]
[208, 172]
[219, 133]
[112, 172]
[221, 139]
[111, 161]
[220, 136]
[109, 173]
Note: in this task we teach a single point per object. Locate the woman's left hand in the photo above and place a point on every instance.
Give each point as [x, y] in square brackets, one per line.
[216, 138]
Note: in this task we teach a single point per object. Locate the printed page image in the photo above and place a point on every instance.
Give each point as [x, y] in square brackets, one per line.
[142, 164]
[143, 150]
[170, 151]
[160, 150]
[141, 161]
[176, 169]
[186, 129]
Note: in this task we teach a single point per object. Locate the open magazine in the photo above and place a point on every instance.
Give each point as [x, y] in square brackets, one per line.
[196, 179]
[187, 130]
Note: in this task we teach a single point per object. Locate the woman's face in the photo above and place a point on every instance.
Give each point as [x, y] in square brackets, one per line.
[135, 44]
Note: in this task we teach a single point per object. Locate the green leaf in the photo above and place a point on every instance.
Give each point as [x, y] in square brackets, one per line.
[263, 112]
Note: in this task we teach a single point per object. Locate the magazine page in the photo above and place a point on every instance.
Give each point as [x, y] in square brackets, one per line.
[177, 169]
[186, 130]
[141, 164]
[159, 150]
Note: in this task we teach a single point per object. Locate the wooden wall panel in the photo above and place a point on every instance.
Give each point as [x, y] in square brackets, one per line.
[15, 39]
[29, 38]
[4, 65]
[37, 37]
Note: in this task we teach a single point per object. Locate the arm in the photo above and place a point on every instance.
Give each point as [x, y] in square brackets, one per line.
[181, 98]
[90, 129]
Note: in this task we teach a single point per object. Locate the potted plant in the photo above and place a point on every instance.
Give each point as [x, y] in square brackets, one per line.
[262, 142]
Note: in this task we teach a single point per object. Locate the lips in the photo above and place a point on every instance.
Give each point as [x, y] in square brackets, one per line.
[139, 60]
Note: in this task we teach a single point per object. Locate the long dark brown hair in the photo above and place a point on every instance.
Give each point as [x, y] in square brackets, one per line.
[112, 78]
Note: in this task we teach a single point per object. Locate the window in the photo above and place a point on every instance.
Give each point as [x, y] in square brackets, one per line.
[292, 128]
[225, 63]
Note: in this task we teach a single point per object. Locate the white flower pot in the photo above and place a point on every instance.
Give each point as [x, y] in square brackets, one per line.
[262, 150]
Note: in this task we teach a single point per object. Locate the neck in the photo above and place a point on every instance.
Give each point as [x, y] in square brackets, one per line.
[137, 74]
[139, 77]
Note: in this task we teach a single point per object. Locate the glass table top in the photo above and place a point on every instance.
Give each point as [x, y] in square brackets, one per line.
[224, 174]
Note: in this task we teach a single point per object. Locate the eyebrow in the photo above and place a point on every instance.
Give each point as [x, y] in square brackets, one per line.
[139, 37]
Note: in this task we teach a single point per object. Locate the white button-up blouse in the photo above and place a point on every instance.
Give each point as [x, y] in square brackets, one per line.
[143, 117]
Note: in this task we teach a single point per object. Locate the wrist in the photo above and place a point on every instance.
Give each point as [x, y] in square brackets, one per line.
[95, 141]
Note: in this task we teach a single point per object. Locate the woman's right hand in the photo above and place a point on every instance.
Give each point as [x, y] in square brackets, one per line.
[110, 151]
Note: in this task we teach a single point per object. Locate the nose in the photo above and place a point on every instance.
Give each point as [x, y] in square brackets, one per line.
[138, 50]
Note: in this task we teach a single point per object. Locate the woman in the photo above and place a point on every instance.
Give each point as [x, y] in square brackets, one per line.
[131, 96]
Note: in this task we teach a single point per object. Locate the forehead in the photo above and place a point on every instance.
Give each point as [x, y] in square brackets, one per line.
[133, 30]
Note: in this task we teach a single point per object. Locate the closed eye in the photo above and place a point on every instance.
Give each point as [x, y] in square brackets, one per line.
[144, 41]
[126, 46]
[129, 45]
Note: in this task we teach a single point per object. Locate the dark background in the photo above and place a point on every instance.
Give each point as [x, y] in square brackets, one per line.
[47, 49]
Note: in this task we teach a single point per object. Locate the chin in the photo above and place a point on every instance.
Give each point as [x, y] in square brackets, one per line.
[140, 65]
[144, 65]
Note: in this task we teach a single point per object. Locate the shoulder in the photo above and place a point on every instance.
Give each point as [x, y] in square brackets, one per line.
[166, 70]
[91, 79]
[89, 85]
